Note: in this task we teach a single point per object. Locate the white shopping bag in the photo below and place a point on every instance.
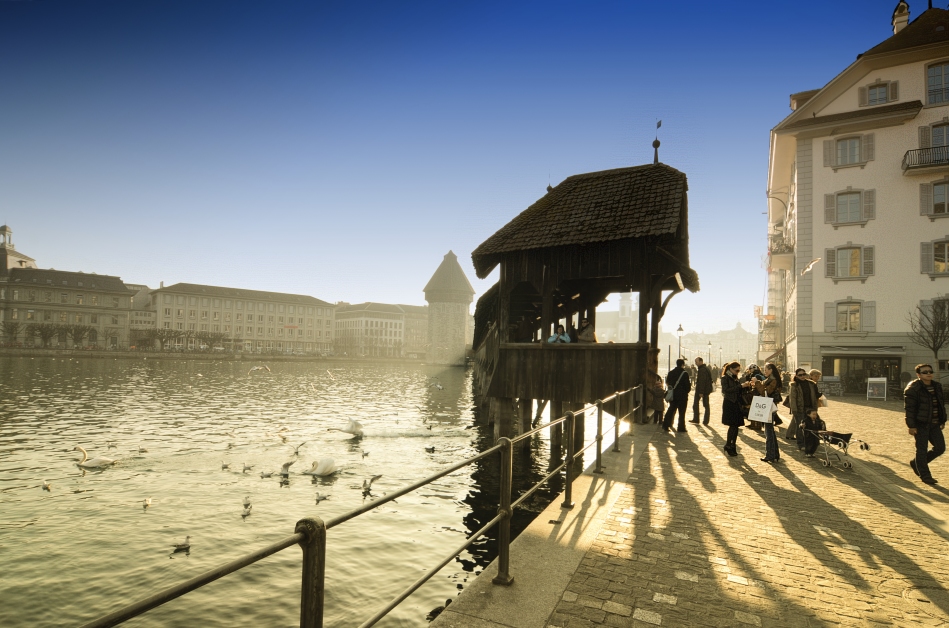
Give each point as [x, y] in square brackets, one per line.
[761, 408]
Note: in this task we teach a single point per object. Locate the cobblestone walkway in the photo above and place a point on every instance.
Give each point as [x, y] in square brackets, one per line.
[700, 539]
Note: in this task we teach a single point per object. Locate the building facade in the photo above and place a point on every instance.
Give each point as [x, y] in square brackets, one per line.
[449, 295]
[60, 309]
[244, 320]
[857, 200]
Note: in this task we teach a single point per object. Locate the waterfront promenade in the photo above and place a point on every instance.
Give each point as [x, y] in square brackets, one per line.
[677, 534]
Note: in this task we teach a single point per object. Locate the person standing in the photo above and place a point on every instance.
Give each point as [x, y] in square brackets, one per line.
[731, 405]
[703, 388]
[771, 388]
[678, 381]
[925, 407]
[796, 404]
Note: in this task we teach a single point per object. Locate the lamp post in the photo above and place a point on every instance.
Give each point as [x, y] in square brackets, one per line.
[721, 362]
[709, 351]
[679, 334]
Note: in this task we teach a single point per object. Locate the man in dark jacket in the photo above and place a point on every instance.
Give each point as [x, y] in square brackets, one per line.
[703, 388]
[678, 381]
[925, 407]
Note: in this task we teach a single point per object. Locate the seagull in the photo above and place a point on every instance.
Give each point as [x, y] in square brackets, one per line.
[246, 501]
[47, 486]
[181, 547]
[146, 503]
[437, 386]
[285, 469]
[142, 450]
[809, 266]
[322, 467]
[320, 498]
[266, 474]
[111, 445]
[330, 374]
[248, 467]
[367, 485]
[94, 463]
[296, 450]
[225, 466]
[259, 368]
[430, 450]
[365, 453]
[247, 510]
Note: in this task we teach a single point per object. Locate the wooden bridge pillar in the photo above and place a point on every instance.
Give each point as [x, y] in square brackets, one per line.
[502, 411]
[525, 409]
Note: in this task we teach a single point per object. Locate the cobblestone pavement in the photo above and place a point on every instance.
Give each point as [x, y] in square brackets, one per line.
[700, 539]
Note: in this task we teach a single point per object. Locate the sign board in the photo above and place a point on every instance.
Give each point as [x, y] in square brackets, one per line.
[761, 408]
[876, 388]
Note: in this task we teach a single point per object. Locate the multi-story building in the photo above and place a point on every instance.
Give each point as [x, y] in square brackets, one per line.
[247, 320]
[619, 325]
[415, 334]
[449, 295]
[857, 195]
[370, 329]
[88, 310]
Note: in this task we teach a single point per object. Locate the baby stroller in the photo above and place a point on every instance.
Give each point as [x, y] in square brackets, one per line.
[835, 444]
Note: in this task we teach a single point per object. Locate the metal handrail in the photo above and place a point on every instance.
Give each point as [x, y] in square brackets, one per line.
[923, 157]
[310, 533]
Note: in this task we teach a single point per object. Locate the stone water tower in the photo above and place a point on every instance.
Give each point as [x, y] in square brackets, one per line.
[449, 295]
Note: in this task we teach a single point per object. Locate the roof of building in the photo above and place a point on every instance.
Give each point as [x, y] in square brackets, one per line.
[240, 293]
[931, 27]
[368, 306]
[593, 207]
[849, 116]
[61, 278]
[414, 309]
[449, 277]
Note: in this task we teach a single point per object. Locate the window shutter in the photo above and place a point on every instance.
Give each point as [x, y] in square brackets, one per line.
[862, 99]
[925, 257]
[867, 261]
[894, 91]
[868, 316]
[829, 153]
[869, 204]
[925, 137]
[925, 199]
[830, 317]
[830, 262]
[867, 147]
[830, 208]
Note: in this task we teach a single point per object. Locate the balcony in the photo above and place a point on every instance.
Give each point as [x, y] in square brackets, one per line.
[782, 254]
[926, 160]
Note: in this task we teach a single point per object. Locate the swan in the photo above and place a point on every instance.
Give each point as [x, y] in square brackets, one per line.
[246, 501]
[285, 469]
[353, 427]
[180, 547]
[95, 463]
[322, 467]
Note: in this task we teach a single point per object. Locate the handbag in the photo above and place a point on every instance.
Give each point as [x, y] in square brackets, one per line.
[670, 394]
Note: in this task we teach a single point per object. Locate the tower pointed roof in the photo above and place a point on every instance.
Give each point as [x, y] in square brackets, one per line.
[449, 282]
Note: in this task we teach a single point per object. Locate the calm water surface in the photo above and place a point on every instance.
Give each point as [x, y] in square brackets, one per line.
[88, 547]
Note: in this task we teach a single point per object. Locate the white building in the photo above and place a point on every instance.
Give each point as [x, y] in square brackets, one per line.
[379, 329]
[858, 179]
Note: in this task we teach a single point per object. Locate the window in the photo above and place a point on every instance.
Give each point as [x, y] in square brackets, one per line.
[280, 308]
[937, 83]
[192, 313]
[215, 316]
[934, 257]
[227, 317]
[849, 262]
[167, 324]
[63, 297]
[204, 302]
[849, 151]
[878, 93]
[851, 206]
[179, 326]
[115, 319]
[190, 326]
[95, 299]
[47, 316]
[217, 303]
[179, 313]
[94, 319]
[204, 327]
[260, 331]
[934, 198]
[939, 135]
[48, 297]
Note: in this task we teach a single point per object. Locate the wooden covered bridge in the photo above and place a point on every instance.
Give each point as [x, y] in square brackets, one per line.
[622, 230]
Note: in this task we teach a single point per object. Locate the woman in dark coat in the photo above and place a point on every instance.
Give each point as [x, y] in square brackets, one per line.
[731, 406]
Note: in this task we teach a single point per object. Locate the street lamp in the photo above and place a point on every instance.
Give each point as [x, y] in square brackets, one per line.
[720, 360]
[679, 334]
[709, 351]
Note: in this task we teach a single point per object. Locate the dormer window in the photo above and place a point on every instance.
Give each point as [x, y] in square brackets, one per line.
[879, 93]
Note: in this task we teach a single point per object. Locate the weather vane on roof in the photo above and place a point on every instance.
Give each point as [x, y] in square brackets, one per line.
[655, 143]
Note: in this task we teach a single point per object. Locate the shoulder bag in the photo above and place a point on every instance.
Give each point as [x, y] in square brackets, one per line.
[670, 394]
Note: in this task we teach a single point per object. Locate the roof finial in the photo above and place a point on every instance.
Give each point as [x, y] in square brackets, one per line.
[655, 144]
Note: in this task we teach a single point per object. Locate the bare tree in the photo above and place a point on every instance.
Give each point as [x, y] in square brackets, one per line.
[11, 329]
[77, 333]
[165, 335]
[46, 332]
[929, 327]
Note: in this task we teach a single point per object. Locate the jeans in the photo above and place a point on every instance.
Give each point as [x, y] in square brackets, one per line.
[670, 413]
[695, 407]
[771, 441]
[924, 436]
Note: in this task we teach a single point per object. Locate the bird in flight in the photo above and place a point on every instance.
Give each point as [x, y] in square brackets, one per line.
[809, 267]
[296, 450]
[367, 485]
[263, 367]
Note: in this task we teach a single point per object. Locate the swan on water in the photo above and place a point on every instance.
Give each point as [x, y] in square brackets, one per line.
[146, 503]
[246, 501]
[322, 467]
[248, 467]
[94, 463]
[180, 547]
[285, 469]
[320, 498]
[47, 486]
[352, 427]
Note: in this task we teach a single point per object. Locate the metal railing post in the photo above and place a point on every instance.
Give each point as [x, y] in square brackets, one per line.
[504, 508]
[616, 407]
[599, 437]
[314, 567]
[568, 493]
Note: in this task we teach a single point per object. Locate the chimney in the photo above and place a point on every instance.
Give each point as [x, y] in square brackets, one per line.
[161, 284]
[900, 16]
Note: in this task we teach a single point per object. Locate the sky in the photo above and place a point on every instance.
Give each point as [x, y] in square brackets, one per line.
[340, 149]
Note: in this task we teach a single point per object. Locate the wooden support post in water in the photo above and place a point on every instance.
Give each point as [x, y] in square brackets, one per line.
[504, 507]
[525, 412]
[314, 567]
[502, 411]
[556, 432]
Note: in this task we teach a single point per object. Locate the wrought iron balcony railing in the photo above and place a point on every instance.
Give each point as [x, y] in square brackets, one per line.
[926, 157]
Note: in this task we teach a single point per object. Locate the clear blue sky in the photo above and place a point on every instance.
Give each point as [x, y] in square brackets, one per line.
[341, 149]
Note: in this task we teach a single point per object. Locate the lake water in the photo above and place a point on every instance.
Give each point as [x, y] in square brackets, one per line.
[88, 547]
